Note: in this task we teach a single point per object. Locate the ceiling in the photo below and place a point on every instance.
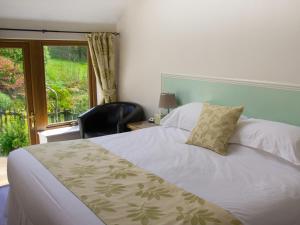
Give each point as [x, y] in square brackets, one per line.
[69, 11]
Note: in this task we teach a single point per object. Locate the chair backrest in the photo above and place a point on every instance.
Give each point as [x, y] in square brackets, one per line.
[109, 117]
[118, 110]
[113, 113]
[126, 109]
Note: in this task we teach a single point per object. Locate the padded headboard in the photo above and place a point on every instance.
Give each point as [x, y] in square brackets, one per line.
[264, 100]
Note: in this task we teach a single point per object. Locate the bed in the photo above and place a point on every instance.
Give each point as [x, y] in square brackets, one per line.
[256, 187]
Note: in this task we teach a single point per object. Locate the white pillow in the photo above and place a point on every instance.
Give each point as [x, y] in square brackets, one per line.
[279, 139]
[184, 117]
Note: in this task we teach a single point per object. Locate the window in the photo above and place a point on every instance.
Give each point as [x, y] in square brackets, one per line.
[44, 84]
[67, 85]
[69, 81]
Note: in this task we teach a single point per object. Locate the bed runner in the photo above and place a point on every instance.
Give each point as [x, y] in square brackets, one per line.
[120, 193]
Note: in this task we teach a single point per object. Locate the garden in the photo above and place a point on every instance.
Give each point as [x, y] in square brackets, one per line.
[66, 88]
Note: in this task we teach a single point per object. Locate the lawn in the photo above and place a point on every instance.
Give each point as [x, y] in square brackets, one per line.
[59, 70]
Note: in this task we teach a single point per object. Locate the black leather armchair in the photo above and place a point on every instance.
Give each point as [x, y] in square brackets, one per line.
[109, 118]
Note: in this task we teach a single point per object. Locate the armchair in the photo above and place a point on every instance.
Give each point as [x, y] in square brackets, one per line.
[109, 118]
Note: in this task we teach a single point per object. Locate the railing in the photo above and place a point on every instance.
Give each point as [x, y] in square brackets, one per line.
[62, 116]
[7, 116]
[54, 117]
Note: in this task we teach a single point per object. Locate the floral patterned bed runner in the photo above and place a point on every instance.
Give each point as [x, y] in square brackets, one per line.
[120, 193]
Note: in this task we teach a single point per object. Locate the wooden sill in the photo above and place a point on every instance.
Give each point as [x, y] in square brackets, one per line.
[62, 124]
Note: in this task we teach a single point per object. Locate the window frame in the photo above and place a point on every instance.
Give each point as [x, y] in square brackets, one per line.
[91, 78]
[37, 82]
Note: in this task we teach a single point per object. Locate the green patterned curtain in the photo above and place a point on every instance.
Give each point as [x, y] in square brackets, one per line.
[102, 50]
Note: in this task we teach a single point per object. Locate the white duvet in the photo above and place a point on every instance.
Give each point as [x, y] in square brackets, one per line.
[256, 187]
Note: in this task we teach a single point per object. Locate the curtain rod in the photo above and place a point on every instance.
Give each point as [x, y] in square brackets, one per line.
[52, 31]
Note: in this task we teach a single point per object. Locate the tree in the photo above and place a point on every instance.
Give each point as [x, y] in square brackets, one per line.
[15, 54]
[72, 53]
[11, 78]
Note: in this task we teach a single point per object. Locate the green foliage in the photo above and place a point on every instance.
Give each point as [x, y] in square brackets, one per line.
[66, 74]
[69, 80]
[18, 105]
[64, 96]
[14, 54]
[72, 53]
[81, 103]
[13, 130]
[46, 54]
[5, 102]
[11, 78]
[14, 135]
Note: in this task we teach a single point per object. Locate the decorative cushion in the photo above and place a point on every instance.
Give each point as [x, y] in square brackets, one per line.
[215, 127]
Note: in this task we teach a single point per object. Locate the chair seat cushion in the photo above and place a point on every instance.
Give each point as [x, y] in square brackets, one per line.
[99, 133]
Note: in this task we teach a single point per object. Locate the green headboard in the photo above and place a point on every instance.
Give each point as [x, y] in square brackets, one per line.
[264, 100]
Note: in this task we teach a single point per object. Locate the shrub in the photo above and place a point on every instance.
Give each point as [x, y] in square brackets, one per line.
[11, 78]
[5, 102]
[14, 135]
[15, 54]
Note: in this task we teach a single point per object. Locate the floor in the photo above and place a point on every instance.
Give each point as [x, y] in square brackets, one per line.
[3, 198]
[3, 188]
[3, 171]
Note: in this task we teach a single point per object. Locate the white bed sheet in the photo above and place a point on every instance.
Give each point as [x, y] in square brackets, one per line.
[256, 187]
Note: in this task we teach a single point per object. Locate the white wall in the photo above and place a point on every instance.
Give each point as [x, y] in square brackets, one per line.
[249, 39]
[51, 25]
[54, 25]
[78, 15]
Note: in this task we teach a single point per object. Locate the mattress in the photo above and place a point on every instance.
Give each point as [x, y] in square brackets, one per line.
[256, 187]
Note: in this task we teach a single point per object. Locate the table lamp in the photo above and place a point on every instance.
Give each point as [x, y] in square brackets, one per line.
[167, 101]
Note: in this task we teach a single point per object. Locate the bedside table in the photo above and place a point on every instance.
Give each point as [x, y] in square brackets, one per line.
[140, 125]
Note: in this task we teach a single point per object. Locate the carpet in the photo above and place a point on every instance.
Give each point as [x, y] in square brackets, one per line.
[3, 198]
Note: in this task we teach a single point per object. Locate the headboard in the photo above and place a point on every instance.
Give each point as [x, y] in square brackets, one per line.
[264, 100]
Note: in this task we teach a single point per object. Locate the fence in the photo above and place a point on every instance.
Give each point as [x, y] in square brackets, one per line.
[53, 117]
[61, 116]
[7, 116]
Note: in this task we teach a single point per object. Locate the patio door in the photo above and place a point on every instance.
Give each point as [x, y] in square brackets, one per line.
[17, 114]
[43, 85]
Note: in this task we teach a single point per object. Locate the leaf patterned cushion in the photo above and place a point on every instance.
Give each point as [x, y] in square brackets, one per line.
[215, 127]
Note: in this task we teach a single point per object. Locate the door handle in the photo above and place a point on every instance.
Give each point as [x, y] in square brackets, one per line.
[32, 120]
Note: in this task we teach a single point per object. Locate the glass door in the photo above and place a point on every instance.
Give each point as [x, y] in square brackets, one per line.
[67, 82]
[17, 121]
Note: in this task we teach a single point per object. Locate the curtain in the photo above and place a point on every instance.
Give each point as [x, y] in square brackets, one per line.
[102, 51]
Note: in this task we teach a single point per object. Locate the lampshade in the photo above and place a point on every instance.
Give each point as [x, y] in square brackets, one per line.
[167, 101]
